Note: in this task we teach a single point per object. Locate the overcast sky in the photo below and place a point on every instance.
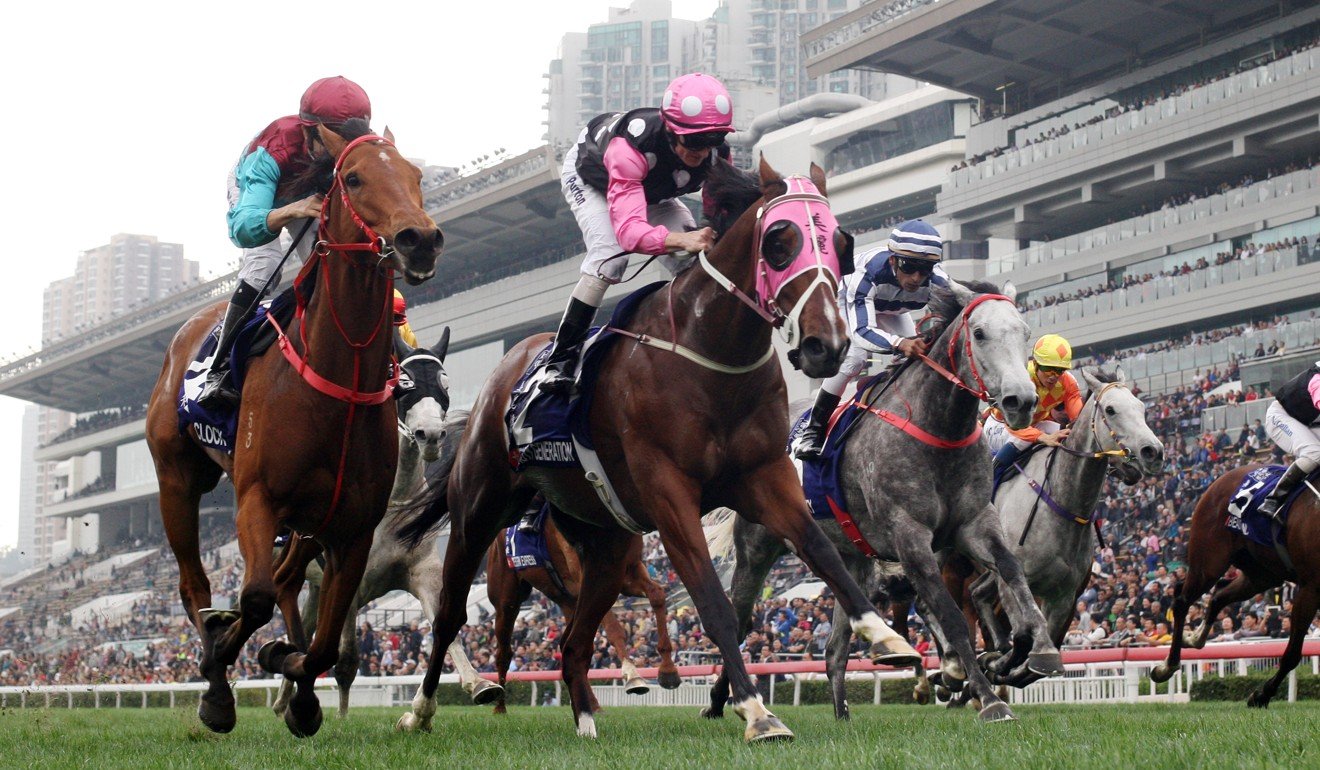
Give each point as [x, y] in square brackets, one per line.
[126, 117]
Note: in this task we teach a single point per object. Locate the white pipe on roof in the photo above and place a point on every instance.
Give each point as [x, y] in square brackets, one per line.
[814, 106]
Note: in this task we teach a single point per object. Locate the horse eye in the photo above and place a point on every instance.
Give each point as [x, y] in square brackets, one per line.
[353, 180]
[978, 334]
[1109, 410]
[777, 248]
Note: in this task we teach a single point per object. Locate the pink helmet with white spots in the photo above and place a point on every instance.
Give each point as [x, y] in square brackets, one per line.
[697, 104]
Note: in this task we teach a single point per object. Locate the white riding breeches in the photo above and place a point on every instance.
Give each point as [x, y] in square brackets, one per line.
[997, 433]
[1294, 437]
[860, 353]
[260, 263]
[592, 212]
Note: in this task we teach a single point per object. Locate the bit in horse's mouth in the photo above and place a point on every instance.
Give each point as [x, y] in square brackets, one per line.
[414, 278]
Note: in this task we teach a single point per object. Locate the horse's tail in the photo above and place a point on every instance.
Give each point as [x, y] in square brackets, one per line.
[430, 509]
[718, 525]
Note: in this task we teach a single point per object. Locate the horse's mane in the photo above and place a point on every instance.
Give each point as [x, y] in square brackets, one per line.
[317, 175]
[944, 309]
[1102, 375]
[730, 191]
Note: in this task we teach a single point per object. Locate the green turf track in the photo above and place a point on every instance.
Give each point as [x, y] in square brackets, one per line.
[1142, 737]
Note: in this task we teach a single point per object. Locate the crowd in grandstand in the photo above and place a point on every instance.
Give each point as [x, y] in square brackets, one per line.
[106, 418]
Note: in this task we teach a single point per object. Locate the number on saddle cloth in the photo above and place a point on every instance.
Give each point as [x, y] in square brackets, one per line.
[1244, 509]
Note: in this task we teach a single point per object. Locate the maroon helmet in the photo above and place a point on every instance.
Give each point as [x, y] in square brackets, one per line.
[333, 101]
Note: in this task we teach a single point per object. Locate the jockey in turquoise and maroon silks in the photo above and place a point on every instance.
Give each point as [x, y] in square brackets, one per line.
[1293, 422]
[622, 180]
[262, 204]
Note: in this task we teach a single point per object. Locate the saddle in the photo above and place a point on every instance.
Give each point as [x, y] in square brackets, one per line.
[554, 431]
[820, 477]
[524, 550]
[1244, 514]
[217, 428]
[1007, 472]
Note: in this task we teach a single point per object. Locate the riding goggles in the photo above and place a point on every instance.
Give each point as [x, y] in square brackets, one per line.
[913, 266]
[701, 141]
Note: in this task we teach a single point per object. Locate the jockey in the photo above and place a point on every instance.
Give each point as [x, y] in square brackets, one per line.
[622, 181]
[1051, 358]
[401, 319]
[889, 283]
[1293, 423]
[262, 204]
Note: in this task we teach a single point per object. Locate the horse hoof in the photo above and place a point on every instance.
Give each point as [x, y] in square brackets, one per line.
[956, 703]
[217, 620]
[767, 730]
[975, 703]
[898, 654]
[272, 654]
[710, 712]
[942, 693]
[1257, 701]
[586, 726]
[303, 723]
[1161, 673]
[997, 712]
[218, 717]
[637, 686]
[988, 657]
[922, 697]
[485, 692]
[1045, 663]
[410, 722]
[670, 680]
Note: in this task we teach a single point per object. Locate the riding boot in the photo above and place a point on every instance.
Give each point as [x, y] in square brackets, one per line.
[219, 391]
[811, 441]
[573, 328]
[1287, 483]
[1004, 459]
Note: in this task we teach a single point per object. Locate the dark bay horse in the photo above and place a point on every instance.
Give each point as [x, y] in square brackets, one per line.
[1212, 548]
[915, 478]
[689, 415]
[316, 447]
[507, 589]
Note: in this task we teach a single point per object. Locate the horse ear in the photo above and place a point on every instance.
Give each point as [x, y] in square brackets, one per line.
[1010, 290]
[1092, 384]
[332, 141]
[817, 175]
[388, 135]
[442, 347]
[768, 175]
[1119, 374]
[961, 293]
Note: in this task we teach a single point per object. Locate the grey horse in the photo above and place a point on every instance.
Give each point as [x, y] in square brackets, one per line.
[913, 502]
[1056, 547]
[398, 559]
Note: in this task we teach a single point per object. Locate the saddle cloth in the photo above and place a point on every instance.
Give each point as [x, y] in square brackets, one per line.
[524, 550]
[1006, 472]
[1244, 514]
[820, 478]
[217, 428]
[554, 431]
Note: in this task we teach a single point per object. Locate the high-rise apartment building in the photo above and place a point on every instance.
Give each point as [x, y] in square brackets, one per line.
[128, 272]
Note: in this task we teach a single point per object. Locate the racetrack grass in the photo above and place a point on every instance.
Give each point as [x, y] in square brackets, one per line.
[1162, 736]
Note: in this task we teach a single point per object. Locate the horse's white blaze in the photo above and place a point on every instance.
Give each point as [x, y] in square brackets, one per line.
[871, 628]
[752, 710]
[586, 726]
[385, 157]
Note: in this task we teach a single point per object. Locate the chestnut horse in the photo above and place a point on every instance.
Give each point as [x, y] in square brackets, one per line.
[691, 414]
[316, 448]
[1212, 548]
[507, 589]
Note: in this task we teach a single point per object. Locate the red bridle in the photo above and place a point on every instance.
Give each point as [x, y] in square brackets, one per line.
[963, 321]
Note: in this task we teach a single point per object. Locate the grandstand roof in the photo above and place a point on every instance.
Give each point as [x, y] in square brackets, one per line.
[1035, 49]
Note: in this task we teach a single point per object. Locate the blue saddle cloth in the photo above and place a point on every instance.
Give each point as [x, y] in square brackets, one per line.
[524, 550]
[543, 426]
[1244, 514]
[217, 428]
[820, 478]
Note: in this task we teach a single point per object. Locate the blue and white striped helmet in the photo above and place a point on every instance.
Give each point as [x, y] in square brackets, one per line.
[915, 238]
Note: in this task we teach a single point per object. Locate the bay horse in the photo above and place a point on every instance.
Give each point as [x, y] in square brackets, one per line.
[915, 478]
[691, 414]
[399, 562]
[1212, 548]
[316, 449]
[507, 589]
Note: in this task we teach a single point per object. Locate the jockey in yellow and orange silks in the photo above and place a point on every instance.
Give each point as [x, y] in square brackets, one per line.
[1051, 358]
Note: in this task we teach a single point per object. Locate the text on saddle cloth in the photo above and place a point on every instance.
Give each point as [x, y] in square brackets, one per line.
[1244, 514]
[525, 550]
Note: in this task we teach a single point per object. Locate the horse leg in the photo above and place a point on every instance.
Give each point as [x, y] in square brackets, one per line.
[424, 583]
[772, 497]
[983, 541]
[638, 583]
[942, 613]
[1212, 561]
[1305, 603]
[632, 683]
[836, 663]
[339, 584]
[984, 592]
[290, 573]
[757, 551]
[602, 578]
[507, 593]
[346, 665]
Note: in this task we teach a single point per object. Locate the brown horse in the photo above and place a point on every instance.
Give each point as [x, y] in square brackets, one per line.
[1212, 548]
[691, 413]
[316, 448]
[507, 589]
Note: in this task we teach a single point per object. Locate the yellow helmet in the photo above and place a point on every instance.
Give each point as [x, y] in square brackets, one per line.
[1053, 351]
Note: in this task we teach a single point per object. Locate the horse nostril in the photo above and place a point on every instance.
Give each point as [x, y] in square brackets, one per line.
[1011, 403]
[812, 347]
[1150, 453]
[420, 435]
[407, 239]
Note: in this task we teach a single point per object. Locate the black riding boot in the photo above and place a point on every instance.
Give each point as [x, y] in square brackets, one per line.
[1287, 483]
[811, 441]
[219, 391]
[573, 328]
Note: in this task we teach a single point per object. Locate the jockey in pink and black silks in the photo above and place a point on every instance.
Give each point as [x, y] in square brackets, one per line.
[622, 181]
[260, 206]
[1293, 423]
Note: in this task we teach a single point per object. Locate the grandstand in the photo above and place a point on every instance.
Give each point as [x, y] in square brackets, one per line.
[1091, 186]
